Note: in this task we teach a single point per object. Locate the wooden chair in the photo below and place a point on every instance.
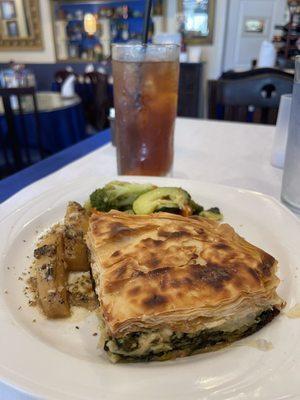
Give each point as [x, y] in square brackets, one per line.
[16, 150]
[251, 96]
[97, 109]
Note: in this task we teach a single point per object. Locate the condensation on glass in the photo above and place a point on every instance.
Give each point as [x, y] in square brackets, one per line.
[145, 97]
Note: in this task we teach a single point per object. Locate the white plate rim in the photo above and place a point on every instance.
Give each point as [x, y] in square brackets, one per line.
[8, 376]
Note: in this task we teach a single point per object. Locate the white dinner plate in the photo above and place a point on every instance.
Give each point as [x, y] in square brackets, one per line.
[55, 360]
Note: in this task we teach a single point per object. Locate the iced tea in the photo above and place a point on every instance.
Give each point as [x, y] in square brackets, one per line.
[145, 96]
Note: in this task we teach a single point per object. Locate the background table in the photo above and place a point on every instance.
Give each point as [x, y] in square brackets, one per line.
[227, 153]
[62, 121]
[48, 101]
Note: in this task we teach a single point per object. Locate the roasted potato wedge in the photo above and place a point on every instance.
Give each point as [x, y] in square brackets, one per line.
[51, 275]
[75, 249]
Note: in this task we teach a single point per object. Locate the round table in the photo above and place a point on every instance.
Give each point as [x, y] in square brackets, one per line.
[61, 120]
[47, 102]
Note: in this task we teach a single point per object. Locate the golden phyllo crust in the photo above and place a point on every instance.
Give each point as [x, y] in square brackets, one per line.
[165, 270]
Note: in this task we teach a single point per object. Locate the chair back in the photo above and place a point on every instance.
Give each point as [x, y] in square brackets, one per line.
[97, 109]
[251, 96]
[16, 150]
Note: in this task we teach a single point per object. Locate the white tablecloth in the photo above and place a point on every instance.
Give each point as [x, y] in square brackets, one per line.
[228, 153]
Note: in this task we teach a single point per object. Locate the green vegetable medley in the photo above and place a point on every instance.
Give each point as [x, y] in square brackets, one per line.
[141, 199]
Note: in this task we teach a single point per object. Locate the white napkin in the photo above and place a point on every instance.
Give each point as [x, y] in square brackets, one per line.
[67, 88]
[267, 55]
[89, 68]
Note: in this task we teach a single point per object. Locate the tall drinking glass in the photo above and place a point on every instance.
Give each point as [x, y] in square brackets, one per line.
[290, 193]
[145, 97]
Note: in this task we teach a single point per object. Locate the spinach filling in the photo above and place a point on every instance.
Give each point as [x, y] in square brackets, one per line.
[187, 343]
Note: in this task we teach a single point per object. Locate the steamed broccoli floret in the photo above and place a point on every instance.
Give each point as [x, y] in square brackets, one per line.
[118, 195]
[213, 213]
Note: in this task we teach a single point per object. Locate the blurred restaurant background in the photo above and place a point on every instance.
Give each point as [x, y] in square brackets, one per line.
[237, 59]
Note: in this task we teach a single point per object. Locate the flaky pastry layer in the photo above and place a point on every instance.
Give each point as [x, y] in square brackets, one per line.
[187, 274]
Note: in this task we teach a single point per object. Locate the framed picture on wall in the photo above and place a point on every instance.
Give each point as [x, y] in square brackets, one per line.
[254, 25]
[8, 10]
[12, 29]
[196, 20]
[20, 25]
